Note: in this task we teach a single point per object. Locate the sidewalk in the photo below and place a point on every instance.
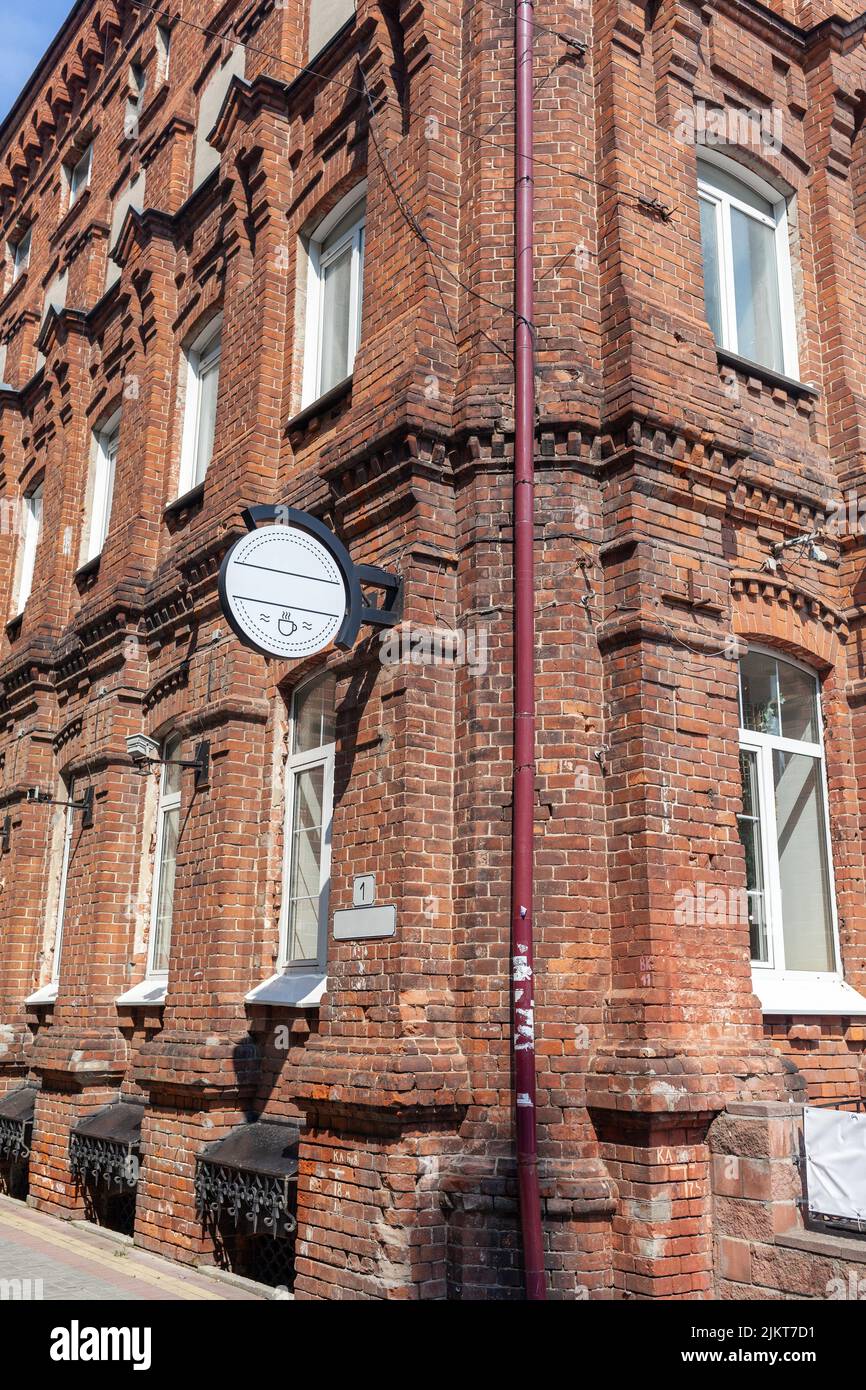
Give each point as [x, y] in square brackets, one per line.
[83, 1265]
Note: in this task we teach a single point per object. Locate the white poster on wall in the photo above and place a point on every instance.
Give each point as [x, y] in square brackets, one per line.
[835, 1143]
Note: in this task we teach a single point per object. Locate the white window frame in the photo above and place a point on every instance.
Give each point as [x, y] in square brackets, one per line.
[68, 834]
[21, 253]
[318, 262]
[202, 357]
[32, 516]
[296, 763]
[168, 801]
[763, 745]
[77, 181]
[107, 443]
[163, 52]
[722, 201]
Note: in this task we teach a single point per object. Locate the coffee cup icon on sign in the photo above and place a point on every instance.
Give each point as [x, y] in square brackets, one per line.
[286, 625]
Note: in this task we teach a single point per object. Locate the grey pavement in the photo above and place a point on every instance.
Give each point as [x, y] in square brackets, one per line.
[42, 1257]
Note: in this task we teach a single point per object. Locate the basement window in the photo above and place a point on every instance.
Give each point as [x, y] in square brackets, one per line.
[105, 1161]
[16, 1140]
[246, 1196]
[748, 289]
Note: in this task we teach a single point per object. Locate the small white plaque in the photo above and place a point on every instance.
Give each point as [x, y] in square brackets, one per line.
[364, 890]
[364, 923]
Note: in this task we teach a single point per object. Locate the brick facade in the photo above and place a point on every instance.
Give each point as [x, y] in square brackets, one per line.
[665, 475]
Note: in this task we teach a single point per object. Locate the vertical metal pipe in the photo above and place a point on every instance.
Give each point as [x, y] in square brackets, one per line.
[522, 986]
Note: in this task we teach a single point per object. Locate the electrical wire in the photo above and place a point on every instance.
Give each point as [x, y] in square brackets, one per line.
[640, 200]
[415, 226]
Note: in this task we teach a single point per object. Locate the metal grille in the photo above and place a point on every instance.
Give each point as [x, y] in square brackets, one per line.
[253, 1198]
[97, 1161]
[15, 1180]
[272, 1261]
[266, 1259]
[107, 1173]
[15, 1140]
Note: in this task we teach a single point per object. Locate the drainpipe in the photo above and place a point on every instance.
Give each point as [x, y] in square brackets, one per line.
[523, 788]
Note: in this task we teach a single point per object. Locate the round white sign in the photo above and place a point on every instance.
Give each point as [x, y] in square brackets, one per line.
[283, 591]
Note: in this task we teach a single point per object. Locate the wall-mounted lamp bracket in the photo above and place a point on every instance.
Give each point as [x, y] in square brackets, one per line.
[144, 752]
[85, 805]
[201, 764]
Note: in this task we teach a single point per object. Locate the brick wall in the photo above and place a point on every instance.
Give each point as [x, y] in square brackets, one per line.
[664, 477]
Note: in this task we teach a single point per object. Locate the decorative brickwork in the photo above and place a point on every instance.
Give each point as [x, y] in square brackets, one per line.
[669, 474]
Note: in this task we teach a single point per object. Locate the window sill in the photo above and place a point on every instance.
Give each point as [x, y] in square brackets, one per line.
[13, 627]
[320, 405]
[801, 992]
[185, 502]
[88, 569]
[147, 992]
[73, 212]
[766, 374]
[46, 995]
[300, 991]
[14, 290]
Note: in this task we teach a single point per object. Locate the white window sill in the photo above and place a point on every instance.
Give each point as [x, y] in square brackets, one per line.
[301, 990]
[45, 995]
[147, 992]
[800, 992]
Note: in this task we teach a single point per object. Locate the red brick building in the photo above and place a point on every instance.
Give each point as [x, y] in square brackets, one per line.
[229, 280]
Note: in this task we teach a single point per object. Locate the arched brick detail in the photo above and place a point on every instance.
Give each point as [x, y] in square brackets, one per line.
[779, 614]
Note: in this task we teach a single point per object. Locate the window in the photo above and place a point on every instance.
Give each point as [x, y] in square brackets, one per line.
[747, 269]
[326, 18]
[334, 297]
[783, 825]
[102, 486]
[135, 83]
[213, 94]
[131, 197]
[20, 252]
[165, 866]
[163, 51]
[199, 424]
[66, 854]
[31, 529]
[54, 298]
[309, 808]
[79, 174]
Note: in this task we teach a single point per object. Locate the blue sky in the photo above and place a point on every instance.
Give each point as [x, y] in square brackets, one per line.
[27, 29]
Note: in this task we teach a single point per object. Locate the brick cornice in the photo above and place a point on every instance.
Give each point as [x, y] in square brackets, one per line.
[840, 34]
[244, 101]
[774, 588]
